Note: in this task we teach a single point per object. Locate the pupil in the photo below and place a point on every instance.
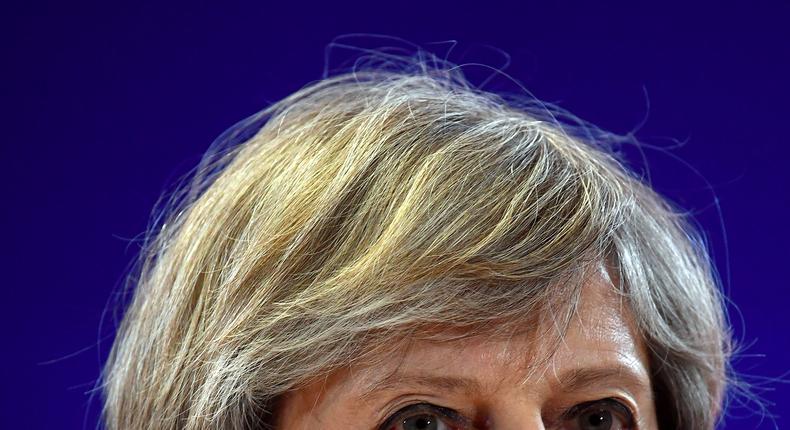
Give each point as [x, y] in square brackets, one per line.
[598, 420]
[421, 422]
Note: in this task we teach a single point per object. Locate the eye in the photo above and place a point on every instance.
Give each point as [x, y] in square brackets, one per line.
[424, 416]
[606, 414]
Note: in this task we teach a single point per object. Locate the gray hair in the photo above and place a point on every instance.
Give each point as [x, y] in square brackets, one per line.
[372, 205]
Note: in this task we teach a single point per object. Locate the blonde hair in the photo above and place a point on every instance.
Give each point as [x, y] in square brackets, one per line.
[373, 205]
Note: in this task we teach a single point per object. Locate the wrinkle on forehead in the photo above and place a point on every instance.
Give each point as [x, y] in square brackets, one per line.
[600, 334]
[601, 330]
[602, 319]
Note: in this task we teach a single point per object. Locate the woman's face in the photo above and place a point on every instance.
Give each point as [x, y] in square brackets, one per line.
[597, 380]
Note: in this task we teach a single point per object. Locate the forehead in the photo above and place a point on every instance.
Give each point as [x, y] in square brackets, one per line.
[601, 336]
[600, 350]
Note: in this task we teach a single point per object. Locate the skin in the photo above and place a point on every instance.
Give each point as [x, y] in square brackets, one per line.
[495, 383]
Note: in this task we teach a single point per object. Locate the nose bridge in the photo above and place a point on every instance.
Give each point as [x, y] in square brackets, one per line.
[513, 414]
[514, 422]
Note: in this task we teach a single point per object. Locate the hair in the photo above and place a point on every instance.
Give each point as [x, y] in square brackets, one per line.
[376, 204]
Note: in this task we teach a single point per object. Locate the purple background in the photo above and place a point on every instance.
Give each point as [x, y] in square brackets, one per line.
[106, 104]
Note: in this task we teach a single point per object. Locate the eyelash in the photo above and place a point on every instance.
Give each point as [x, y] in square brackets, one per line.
[615, 405]
[415, 408]
[619, 407]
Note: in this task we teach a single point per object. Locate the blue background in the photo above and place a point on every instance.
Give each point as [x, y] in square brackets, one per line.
[106, 104]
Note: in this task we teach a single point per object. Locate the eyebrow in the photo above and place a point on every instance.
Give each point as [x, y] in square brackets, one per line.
[437, 382]
[570, 381]
[590, 377]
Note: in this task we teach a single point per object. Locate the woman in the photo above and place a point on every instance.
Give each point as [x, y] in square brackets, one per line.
[399, 250]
